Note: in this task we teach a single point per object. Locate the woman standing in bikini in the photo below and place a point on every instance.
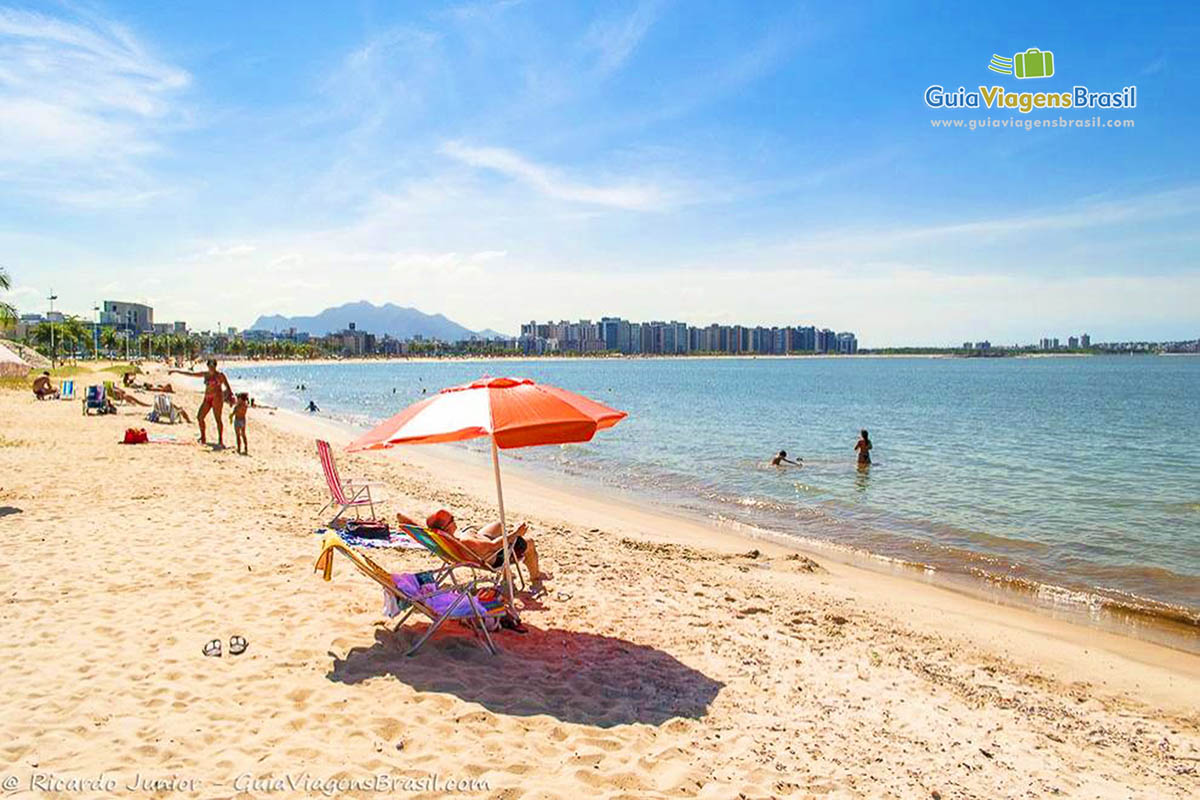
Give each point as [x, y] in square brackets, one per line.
[216, 389]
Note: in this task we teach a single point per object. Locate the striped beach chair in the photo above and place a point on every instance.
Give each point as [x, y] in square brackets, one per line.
[66, 390]
[95, 400]
[480, 606]
[164, 411]
[455, 554]
[345, 495]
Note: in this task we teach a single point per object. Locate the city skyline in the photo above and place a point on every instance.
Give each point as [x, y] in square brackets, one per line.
[502, 160]
[584, 336]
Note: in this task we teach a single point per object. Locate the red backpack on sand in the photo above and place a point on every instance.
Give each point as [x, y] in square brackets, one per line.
[136, 436]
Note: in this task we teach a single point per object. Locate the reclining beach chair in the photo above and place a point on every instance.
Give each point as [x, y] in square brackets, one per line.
[164, 411]
[455, 554]
[473, 603]
[95, 400]
[347, 495]
[66, 390]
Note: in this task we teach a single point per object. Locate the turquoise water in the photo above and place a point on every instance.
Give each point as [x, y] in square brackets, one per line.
[1076, 473]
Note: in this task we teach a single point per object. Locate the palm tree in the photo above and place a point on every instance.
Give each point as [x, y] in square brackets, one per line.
[75, 335]
[8, 314]
[109, 339]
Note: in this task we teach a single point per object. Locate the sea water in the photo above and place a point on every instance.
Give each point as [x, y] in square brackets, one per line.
[1077, 479]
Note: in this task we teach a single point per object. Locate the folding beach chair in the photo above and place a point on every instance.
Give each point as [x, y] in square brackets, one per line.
[164, 411]
[347, 495]
[66, 390]
[473, 603]
[108, 391]
[95, 400]
[455, 554]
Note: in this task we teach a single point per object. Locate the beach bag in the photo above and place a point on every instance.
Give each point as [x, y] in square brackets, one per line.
[368, 529]
[136, 436]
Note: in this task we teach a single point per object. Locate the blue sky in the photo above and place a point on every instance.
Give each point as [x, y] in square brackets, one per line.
[504, 160]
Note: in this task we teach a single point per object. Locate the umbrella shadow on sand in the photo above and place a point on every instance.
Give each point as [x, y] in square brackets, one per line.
[569, 675]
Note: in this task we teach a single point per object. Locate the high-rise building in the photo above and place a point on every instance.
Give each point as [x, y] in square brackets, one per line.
[127, 316]
[616, 335]
[1085, 341]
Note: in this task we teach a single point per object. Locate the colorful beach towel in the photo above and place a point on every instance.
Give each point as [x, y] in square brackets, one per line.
[396, 540]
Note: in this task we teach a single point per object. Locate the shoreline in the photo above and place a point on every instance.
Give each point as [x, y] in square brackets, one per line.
[526, 488]
[1140, 618]
[319, 362]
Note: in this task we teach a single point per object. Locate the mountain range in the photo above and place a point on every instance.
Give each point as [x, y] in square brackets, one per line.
[397, 321]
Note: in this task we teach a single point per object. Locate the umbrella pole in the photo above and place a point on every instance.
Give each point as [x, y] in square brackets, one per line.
[503, 526]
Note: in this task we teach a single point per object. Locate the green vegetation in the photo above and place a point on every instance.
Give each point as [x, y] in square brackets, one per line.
[8, 314]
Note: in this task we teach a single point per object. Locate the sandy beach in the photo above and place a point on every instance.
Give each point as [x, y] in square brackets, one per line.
[669, 659]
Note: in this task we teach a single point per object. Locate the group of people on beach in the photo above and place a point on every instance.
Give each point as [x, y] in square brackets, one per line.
[862, 448]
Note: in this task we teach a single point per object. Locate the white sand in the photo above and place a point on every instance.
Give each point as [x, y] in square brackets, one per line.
[671, 664]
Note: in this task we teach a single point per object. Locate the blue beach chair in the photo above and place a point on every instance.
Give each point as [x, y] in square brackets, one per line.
[66, 390]
[95, 400]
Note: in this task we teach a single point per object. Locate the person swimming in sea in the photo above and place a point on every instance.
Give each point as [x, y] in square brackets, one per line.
[312, 407]
[863, 448]
[780, 459]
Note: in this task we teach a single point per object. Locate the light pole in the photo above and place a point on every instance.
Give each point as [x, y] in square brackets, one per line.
[53, 352]
[96, 332]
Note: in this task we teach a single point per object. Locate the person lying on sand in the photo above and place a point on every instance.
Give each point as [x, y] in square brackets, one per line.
[126, 397]
[43, 389]
[486, 543]
[781, 458]
[161, 388]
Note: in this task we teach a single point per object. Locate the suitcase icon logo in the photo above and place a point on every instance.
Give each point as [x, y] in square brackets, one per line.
[1033, 63]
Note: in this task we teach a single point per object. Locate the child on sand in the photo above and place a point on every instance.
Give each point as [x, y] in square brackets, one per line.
[238, 417]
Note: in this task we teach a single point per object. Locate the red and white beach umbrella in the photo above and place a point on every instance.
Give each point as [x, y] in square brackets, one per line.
[512, 412]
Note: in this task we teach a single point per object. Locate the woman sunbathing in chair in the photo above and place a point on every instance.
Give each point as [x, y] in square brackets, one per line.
[486, 543]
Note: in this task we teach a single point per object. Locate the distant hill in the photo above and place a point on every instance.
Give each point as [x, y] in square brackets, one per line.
[400, 322]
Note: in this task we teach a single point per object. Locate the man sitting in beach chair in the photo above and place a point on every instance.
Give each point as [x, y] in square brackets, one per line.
[485, 544]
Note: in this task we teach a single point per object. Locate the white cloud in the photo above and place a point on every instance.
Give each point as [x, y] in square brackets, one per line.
[628, 195]
[613, 41]
[81, 100]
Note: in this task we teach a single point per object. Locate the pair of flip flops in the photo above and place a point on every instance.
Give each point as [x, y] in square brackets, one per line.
[237, 646]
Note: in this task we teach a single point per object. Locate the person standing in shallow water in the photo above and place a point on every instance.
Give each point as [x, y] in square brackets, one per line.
[863, 448]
